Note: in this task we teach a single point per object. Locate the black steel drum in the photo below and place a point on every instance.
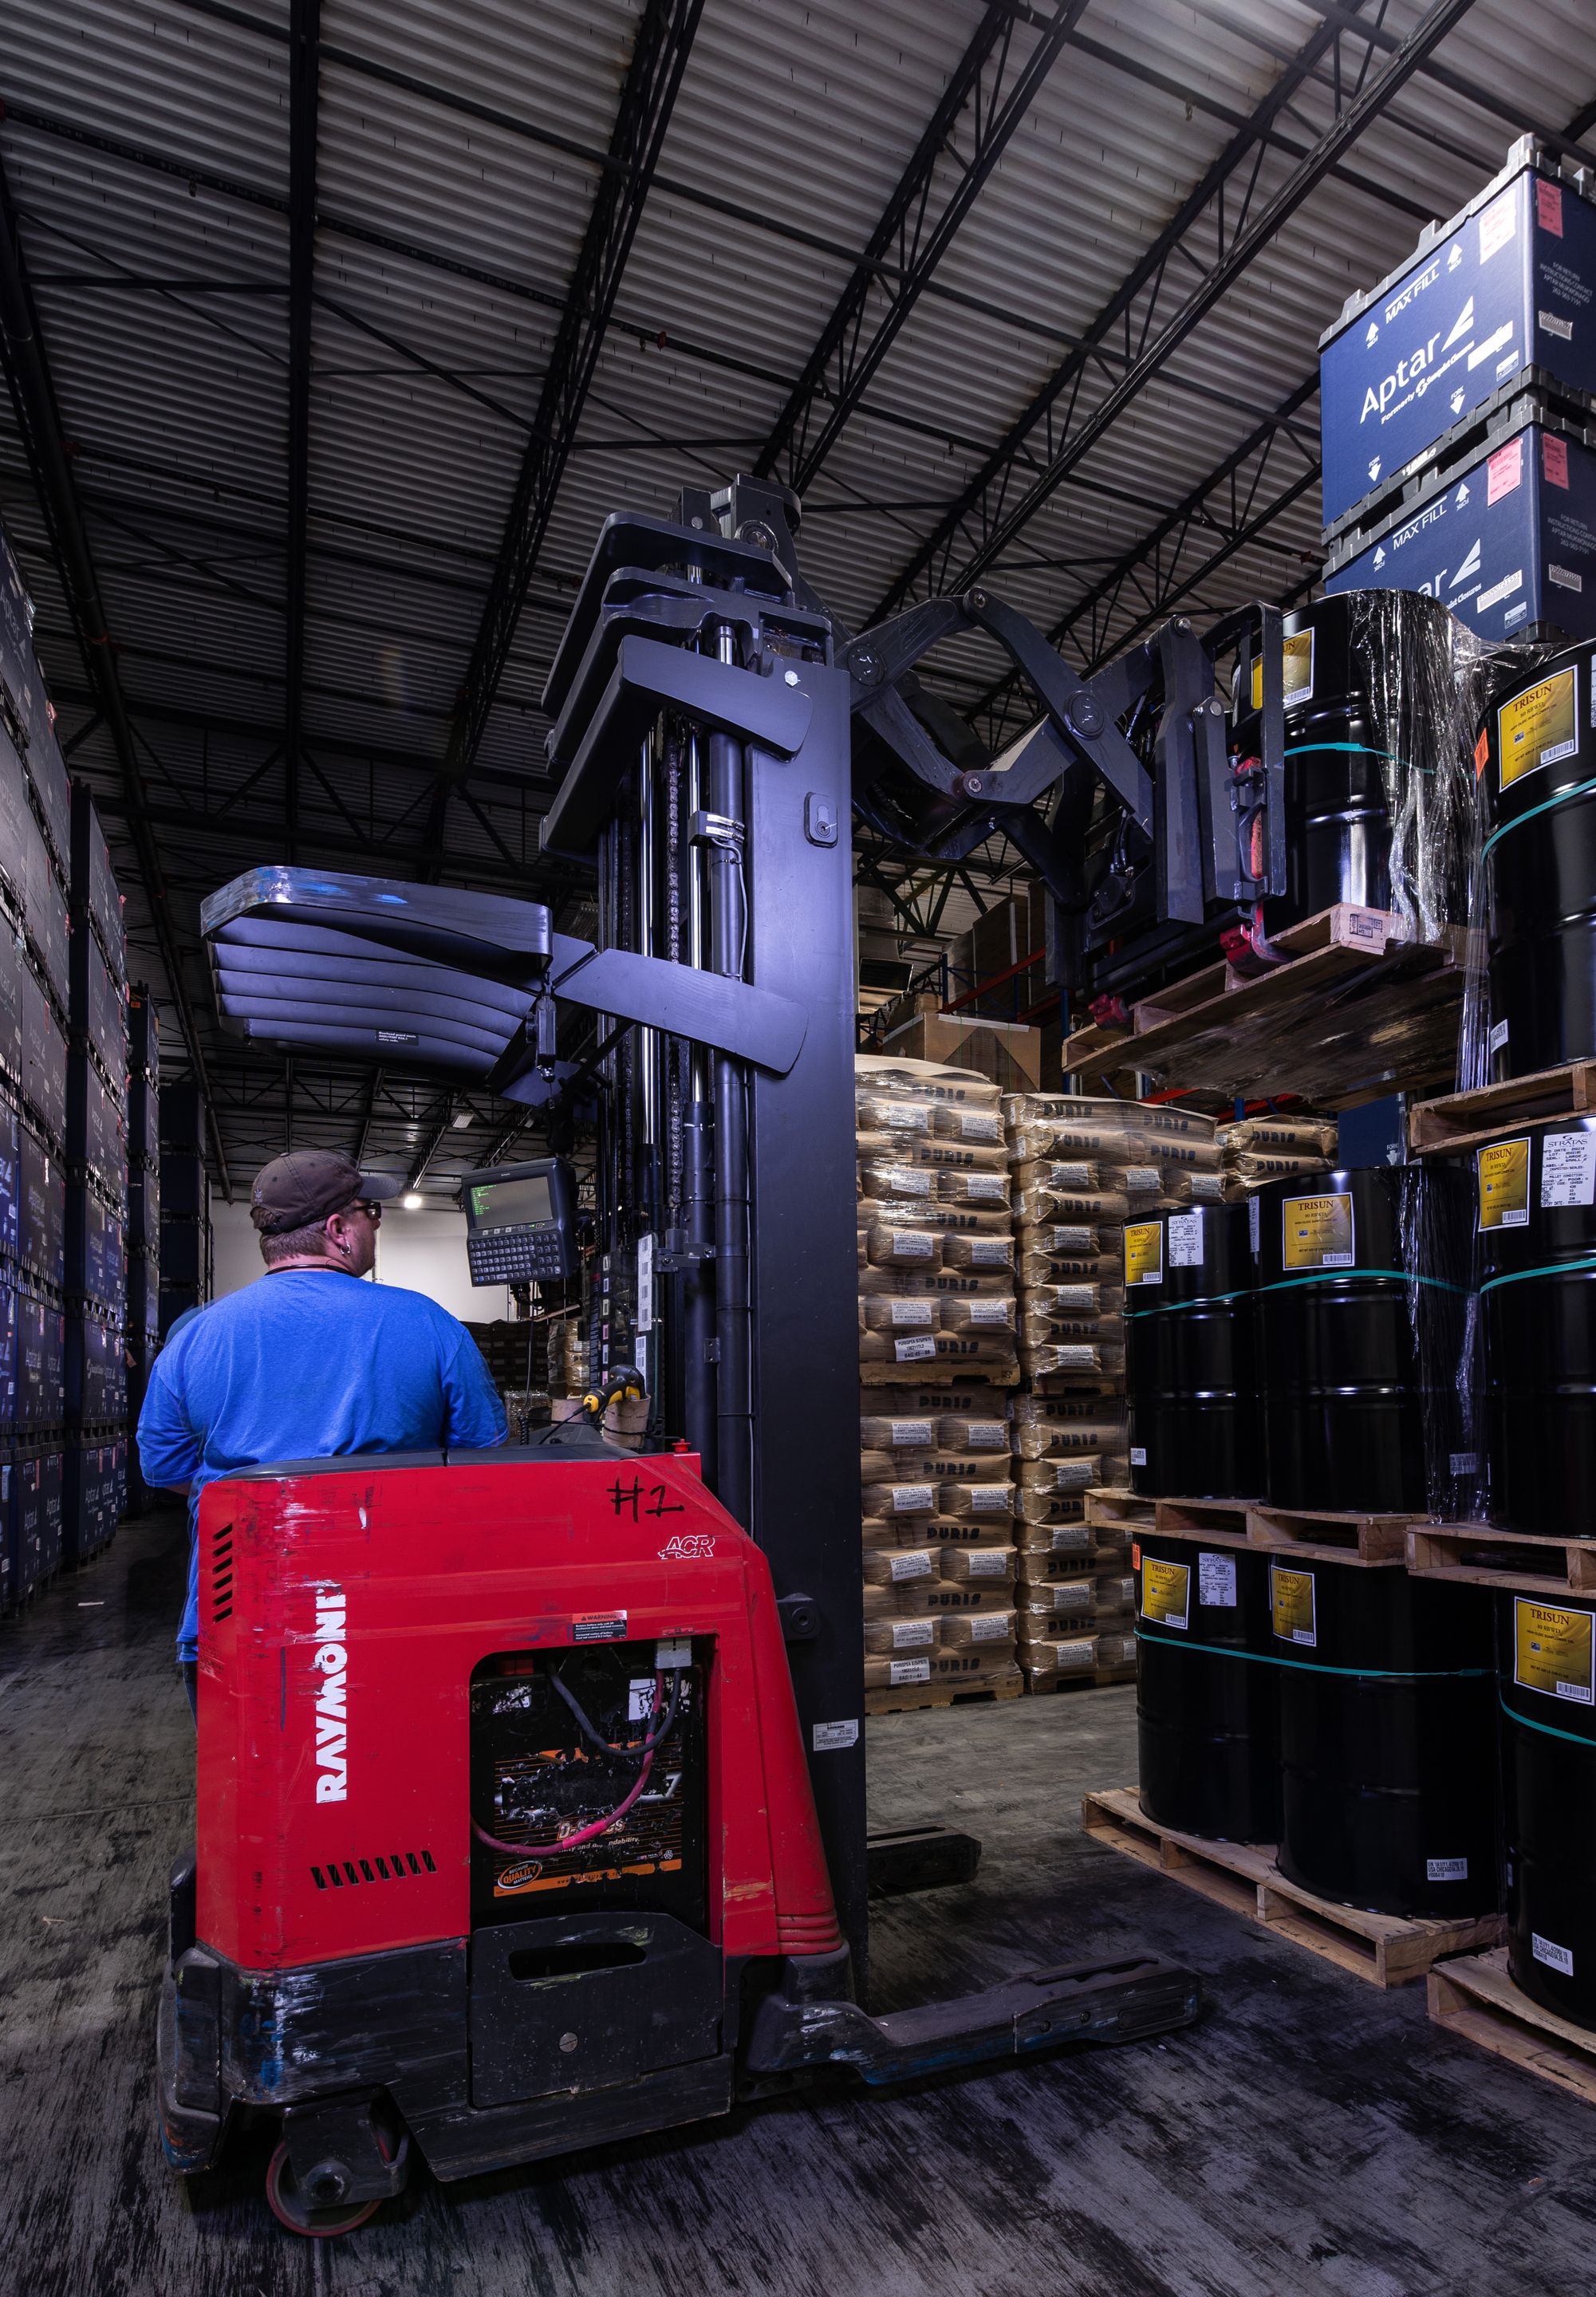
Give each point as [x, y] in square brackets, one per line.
[1387, 1738]
[1353, 1355]
[1207, 1690]
[1548, 1799]
[1537, 1224]
[1197, 1426]
[1539, 867]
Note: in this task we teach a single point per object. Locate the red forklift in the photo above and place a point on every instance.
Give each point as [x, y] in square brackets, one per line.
[531, 1782]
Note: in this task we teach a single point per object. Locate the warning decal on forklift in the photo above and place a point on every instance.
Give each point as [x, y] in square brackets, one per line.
[1317, 1232]
[1503, 1174]
[1538, 728]
[830, 1737]
[1553, 1651]
[599, 1627]
[1291, 1601]
[1165, 1592]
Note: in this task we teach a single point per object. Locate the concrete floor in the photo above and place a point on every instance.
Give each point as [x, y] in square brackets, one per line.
[1312, 2135]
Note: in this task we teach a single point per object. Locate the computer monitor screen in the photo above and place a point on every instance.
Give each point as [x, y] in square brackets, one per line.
[511, 1203]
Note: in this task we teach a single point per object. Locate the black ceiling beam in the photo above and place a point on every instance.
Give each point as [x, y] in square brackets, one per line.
[660, 51]
[983, 520]
[916, 229]
[438, 1132]
[212, 833]
[304, 32]
[38, 418]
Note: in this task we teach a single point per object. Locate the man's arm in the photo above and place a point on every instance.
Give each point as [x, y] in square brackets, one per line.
[169, 1449]
[476, 1417]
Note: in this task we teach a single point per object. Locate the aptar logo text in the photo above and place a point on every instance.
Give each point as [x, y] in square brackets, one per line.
[1408, 376]
[331, 1661]
[689, 1547]
[1470, 565]
[1465, 320]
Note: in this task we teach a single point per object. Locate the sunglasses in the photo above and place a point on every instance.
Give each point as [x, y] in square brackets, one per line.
[369, 1207]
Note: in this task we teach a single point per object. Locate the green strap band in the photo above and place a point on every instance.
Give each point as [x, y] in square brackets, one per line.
[1524, 1275]
[1294, 1283]
[1580, 789]
[1315, 1666]
[1358, 749]
[1550, 1729]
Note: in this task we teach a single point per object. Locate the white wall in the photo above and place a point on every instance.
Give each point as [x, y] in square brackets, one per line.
[424, 1252]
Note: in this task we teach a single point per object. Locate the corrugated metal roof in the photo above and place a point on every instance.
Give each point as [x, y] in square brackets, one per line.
[458, 153]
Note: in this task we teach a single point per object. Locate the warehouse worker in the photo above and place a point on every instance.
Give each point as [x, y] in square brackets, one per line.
[308, 1363]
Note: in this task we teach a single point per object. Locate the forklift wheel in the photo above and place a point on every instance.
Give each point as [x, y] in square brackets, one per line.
[290, 2209]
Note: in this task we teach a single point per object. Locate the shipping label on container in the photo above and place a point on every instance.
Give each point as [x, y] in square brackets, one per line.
[1317, 1232]
[1553, 1651]
[1539, 727]
[1165, 1592]
[1186, 1240]
[1568, 1169]
[1503, 1174]
[1298, 670]
[1216, 1580]
[1291, 1601]
[1144, 1252]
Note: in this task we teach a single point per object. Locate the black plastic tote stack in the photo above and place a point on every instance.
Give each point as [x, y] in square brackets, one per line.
[1196, 1429]
[1207, 1690]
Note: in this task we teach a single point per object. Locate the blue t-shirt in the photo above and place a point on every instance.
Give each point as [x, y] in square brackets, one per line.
[307, 1365]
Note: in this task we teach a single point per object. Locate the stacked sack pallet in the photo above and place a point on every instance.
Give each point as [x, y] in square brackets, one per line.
[1255, 1150]
[937, 1363]
[1083, 1170]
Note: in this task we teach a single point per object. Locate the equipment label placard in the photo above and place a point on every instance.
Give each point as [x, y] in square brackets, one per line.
[1165, 1592]
[1144, 1253]
[1538, 727]
[1568, 1169]
[1186, 1240]
[1553, 1651]
[1317, 1232]
[1291, 1601]
[830, 1738]
[1503, 1174]
[1298, 680]
[1216, 1580]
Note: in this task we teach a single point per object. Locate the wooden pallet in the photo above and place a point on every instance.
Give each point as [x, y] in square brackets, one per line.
[910, 1698]
[1383, 1949]
[1321, 1534]
[1477, 1999]
[1482, 1556]
[1357, 1011]
[1091, 1678]
[1461, 1120]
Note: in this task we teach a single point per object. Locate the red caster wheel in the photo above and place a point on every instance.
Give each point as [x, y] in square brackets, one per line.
[303, 2213]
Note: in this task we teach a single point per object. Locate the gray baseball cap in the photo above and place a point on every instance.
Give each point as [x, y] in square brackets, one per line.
[308, 1184]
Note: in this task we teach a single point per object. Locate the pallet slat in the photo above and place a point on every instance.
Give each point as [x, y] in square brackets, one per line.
[1480, 1556]
[912, 1698]
[1319, 1535]
[1384, 1950]
[1461, 1120]
[1477, 1999]
[1289, 1028]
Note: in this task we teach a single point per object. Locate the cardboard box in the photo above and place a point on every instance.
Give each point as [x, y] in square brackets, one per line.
[1008, 1052]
